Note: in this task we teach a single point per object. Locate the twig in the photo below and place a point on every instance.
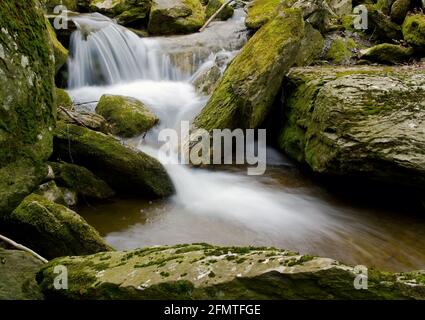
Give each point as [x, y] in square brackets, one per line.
[82, 103]
[215, 14]
[72, 117]
[21, 247]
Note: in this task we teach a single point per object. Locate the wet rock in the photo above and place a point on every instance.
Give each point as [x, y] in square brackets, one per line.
[214, 5]
[60, 52]
[52, 230]
[364, 122]
[129, 117]
[251, 82]
[387, 54]
[124, 169]
[206, 80]
[175, 17]
[311, 46]
[81, 180]
[414, 30]
[17, 276]
[207, 272]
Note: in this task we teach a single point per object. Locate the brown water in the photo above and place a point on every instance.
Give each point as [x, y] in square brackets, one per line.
[383, 233]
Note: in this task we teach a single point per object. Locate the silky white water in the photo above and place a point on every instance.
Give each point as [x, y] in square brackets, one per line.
[222, 207]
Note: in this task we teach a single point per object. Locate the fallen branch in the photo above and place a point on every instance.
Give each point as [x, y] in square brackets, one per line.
[215, 15]
[21, 247]
[72, 117]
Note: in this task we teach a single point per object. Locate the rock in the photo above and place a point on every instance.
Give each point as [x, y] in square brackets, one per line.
[72, 5]
[214, 5]
[206, 80]
[81, 180]
[414, 30]
[89, 120]
[251, 82]
[70, 197]
[363, 122]
[399, 10]
[175, 17]
[204, 272]
[17, 180]
[384, 6]
[17, 276]
[63, 99]
[51, 192]
[260, 12]
[387, 54]
[52, 230]
[340, 50]
[27, 110]
[124, 169]
[382, 25]
[129, 117]
[126, 12]
[311, 47]
[60, 52]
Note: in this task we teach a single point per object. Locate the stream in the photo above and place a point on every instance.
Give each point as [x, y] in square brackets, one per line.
[283, 208]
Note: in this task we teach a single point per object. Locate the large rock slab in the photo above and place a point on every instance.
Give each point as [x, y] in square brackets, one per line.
[208, 272]
[363, 122]
[124, 169]
[250, 84]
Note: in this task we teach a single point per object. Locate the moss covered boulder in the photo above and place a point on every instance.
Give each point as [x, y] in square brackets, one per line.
[382, 26]
[399, 10]
[81, 180]
[207, 272]
[51, 229]
[27, 110]
[17, 276]
[214, 5]
[124, 169]
[176, 17]
[63, 99]
[311, 47]
[414, 30]
[364, 122]
[89, 120]
[260, 12]
[340, 50]
[387, 53]
[129, 117]
[249, 86]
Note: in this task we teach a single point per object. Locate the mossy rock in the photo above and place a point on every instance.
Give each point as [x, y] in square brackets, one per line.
[90, 120]
[201, 271]
[63, 99]
[341, 50]
[124, 169]
[51, 192]
[129, 117]
[399, 10]
[250, 84]
[260, 12]
[362, 122]
[387, 53]
[27, 112]
[52, 230]
[175, 17]
[384, 6]
[17, 275]
[381, 25]
[60, 52]
[72, 5]
[414, 30]
[311, 47]
[81, 180]
[214, 5]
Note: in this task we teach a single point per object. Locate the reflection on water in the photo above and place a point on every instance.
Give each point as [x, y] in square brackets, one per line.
[391, 240]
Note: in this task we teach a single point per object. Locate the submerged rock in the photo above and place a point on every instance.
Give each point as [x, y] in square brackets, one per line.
[129, 117]
[17, 276]
[387, 53]
[81, 180]
[251, 82]
[364, 122]
[175, 17]
[207, 272]
[51, 229]
[414, 30]
[124, 169]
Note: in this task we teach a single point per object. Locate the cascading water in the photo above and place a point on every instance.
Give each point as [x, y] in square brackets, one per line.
[222, 207]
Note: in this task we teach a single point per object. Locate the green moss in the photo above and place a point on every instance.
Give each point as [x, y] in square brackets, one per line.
[63, 99]
[60, 52]
[388, 53]
[341, 50]
[260, 12]
[129, 117]
[414, 30]
[214, 5]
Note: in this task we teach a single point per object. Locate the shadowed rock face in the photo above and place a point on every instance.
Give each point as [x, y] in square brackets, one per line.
[206, 272]
[363, 121]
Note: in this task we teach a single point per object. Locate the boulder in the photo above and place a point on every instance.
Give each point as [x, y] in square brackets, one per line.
[206, 80]
[175, 17]
[363, 122]
[51, 229]
[260, 12]
[60, 52]
[399, 10]
[63, 99]
[89, 120]
[17, 276]
[387, 54]
[384, 6]
[124, 169]
[414, 30]
[382, 26]
[205, 272]
[27, 109]
[214, 5]
[129, 117]
[250, 84]
[81, 180]
[340, 50]
[311, 47]
[51, 192]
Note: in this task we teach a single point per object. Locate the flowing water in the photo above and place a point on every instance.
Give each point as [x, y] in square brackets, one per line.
[283, 208]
